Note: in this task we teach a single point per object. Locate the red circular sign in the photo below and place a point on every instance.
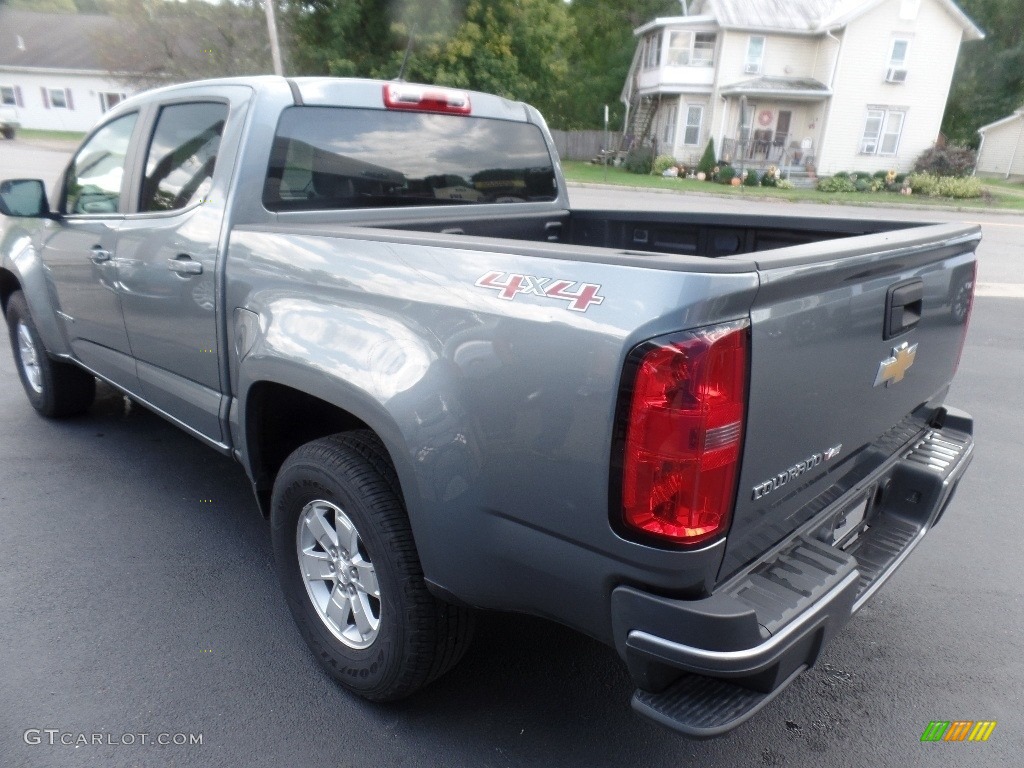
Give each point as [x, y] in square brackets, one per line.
[765, 118]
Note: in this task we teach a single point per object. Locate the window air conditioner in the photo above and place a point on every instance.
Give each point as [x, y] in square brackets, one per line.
[896, 75]
[751, 69]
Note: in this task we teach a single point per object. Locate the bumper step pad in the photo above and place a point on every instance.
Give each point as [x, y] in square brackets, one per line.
[741, 646]
[704, 707]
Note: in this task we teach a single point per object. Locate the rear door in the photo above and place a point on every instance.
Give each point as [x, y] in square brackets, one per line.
[847, 351]
[79, 251]
[168, 247]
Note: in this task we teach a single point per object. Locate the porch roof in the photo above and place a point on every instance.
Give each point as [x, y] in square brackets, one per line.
[792, 88]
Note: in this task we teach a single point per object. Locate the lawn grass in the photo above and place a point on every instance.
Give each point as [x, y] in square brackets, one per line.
[32, 133]
[595, 174]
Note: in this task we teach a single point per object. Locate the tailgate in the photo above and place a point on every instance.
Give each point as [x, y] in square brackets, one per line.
[850, 353]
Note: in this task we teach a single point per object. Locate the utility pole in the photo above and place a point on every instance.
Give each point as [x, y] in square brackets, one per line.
[275, 46]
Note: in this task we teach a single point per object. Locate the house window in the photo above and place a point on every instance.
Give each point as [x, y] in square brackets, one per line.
[670, 126]
[755, 55]
[652, 51]
[7, 96]
[703, 50]
[57, 98]
[110, 100]
[898, 57]
[897, 71]
[882, 131]
[691, 49]
[694, 118]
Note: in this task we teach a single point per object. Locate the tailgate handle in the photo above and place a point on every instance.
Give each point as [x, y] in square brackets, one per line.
[903, 306]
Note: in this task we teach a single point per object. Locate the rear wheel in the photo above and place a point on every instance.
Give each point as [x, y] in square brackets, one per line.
[348, 565]
[54, 389]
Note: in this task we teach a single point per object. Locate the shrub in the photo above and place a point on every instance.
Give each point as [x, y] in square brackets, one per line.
[784, 184]
[841, 175]
[862, 185]
[923, 183]
[639, 159]
[707, 160]
[751, 179]
[836, 183]
[959, 188]
[880, 174]
[900, 178]
[663, 163]
[726, 174]
[771, 177]
[945, 186]
[951, 160]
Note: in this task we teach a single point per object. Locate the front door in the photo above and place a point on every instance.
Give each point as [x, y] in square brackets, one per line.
[80, 249]
[168, 247]
[782, 128]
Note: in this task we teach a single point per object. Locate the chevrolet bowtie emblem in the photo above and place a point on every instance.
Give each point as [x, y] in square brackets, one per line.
[893, 369]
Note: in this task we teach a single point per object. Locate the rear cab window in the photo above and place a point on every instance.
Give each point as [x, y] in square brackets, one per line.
[329, 158]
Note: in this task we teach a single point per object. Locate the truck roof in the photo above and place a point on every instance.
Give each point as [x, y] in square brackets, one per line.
[347, 92]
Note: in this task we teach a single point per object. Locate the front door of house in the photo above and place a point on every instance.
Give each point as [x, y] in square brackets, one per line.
[782, 128]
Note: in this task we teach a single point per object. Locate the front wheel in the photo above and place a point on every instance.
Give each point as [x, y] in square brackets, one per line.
[53, 388]
[349, 569]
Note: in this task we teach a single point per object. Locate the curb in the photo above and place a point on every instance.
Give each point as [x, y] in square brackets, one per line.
[754, 198]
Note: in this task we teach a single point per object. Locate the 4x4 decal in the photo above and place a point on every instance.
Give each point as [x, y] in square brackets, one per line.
[509, 285]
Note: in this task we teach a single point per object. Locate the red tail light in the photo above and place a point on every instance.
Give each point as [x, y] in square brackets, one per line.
[681, 456]
[422, 98]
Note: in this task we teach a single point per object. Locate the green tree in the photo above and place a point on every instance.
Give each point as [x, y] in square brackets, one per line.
[988, 83]
[606, 46]
[519, 49]
[342, 38]
[516, 48]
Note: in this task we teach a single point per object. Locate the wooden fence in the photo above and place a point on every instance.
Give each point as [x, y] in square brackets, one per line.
[584, 145]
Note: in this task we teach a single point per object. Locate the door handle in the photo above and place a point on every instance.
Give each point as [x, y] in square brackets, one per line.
[98, 254]
[185, 265]
[903, 307]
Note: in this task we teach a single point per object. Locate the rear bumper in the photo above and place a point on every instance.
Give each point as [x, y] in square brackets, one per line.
[741, 646]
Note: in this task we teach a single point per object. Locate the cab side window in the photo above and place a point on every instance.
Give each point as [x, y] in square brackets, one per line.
[93, 184]
[182, 156]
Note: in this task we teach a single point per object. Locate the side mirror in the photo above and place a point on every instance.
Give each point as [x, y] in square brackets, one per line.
[24, 198]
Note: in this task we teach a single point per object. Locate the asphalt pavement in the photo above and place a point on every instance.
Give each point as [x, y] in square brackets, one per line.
[138, 597]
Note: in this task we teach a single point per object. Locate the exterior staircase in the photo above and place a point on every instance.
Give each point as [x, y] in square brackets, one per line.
[642, 111]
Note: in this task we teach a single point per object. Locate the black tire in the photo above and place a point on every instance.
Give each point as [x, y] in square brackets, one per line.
[8, 132]
[64, 389]
[419, 637]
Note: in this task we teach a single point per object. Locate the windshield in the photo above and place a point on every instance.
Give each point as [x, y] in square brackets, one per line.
[336, 157]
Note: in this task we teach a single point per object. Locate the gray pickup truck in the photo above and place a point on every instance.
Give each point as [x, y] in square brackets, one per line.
[704, 440]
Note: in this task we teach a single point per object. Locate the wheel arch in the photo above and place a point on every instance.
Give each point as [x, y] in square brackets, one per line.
[278, 417]
[22, 270]
[9, 283]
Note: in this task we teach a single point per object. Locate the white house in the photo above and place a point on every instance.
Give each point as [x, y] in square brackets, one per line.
[854, 85]
[50, 70]
[1002, 147]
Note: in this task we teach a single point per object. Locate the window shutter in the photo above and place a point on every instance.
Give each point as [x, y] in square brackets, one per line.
[46, 98]
[17, 96]
[70, 101]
